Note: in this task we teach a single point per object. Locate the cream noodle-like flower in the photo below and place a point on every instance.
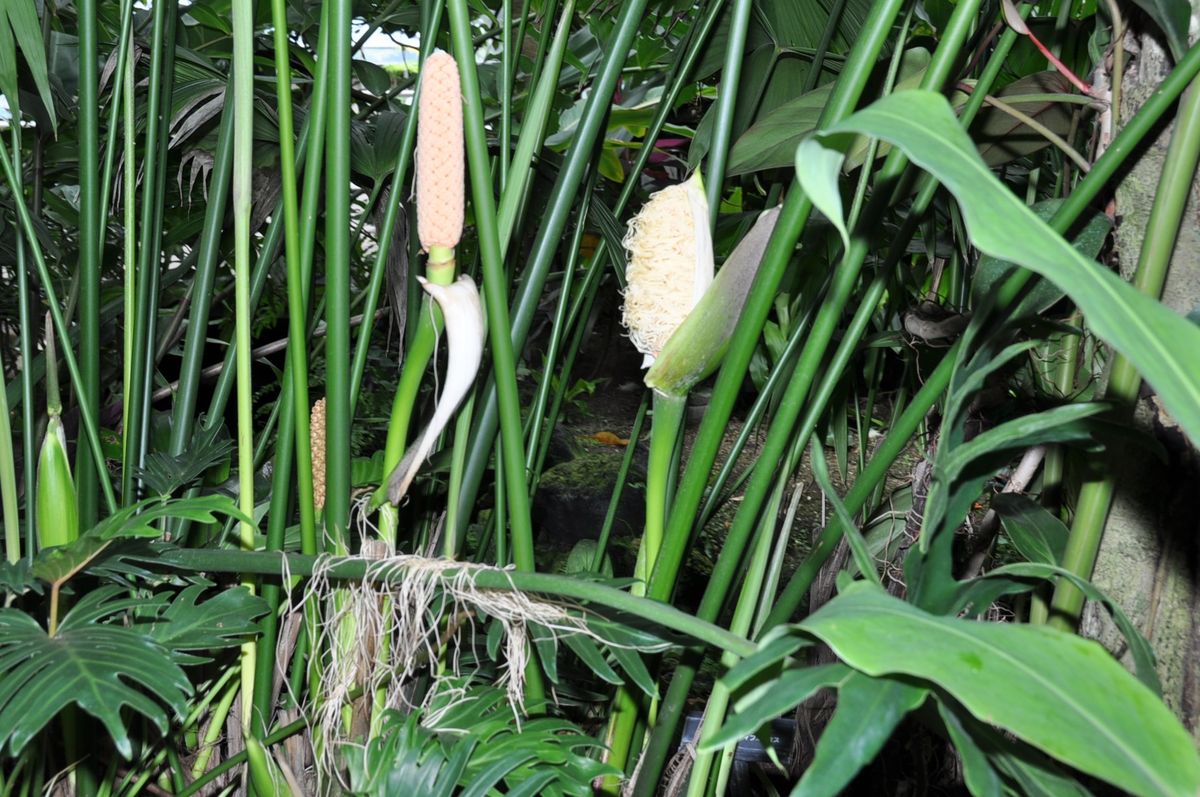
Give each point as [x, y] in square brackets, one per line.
[670, 264]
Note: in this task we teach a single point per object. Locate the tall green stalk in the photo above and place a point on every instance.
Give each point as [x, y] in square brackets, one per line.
[243, 152]
[494, 289]
[337, 279]
[25, 334]
[183, 412]
[8, 481]
[727, 95]
[162, 67]
[297, 275]
[90, 248]
[549, 235]
[1154, 261]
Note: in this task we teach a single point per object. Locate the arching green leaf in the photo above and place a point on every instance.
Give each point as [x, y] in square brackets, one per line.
[1060, 693]
[1164, 347]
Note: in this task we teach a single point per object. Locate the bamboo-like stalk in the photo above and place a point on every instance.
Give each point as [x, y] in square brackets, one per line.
[183, 412]
[8, 481]
[727, 96]
[25, 319]
[243, 152]
[90, 249]
[337, 279]
[1124, 382]
[118, 105]
[162, 67]
[549, 236]
[297, 275]
[495, 291]
[129, 218]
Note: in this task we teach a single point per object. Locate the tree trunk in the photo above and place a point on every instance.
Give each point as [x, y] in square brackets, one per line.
[1149, 560]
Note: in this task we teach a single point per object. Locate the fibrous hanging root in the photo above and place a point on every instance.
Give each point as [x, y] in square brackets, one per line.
[410, 607]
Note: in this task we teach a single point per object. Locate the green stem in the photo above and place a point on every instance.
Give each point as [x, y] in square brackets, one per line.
[8, 481]
[298, 278]
[665, 425]
[549, 236]
[727, 95]
[162, 70]
[622, 475]
[187, 395]
[91, 242]
[495, 291]
[1124, 382]
[337, 279]
[27, 325]
[243, 152]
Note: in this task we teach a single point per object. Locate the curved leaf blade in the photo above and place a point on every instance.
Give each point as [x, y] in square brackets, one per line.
[868, 711]
[1163, 346]
[1056, 691]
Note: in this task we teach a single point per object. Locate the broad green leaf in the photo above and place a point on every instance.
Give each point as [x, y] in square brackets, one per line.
[631, 662]
[17, 578]
[224, 620]
[105, 602]
[1002, 138]
[1062, 694]
[868, 711]
[978, 775]
[23, 19]
[590, 655]
[164, 473]
[1030, 772]
[982, 591]
[138, 520]
[773, 650]
[1163, 346]
[1037, 534]
[990, 272]
[8, 74]
[776, 697]
[770, 143]
[100, 668]
[57, 565]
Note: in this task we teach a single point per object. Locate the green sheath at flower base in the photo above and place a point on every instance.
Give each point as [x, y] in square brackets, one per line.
[57, 512]
[696, 347]
[670, 264]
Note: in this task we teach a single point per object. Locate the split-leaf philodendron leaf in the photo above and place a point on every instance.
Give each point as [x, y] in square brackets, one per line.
[1163, 346]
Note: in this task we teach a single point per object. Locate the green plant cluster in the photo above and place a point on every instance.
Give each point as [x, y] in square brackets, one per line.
[217, 345]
